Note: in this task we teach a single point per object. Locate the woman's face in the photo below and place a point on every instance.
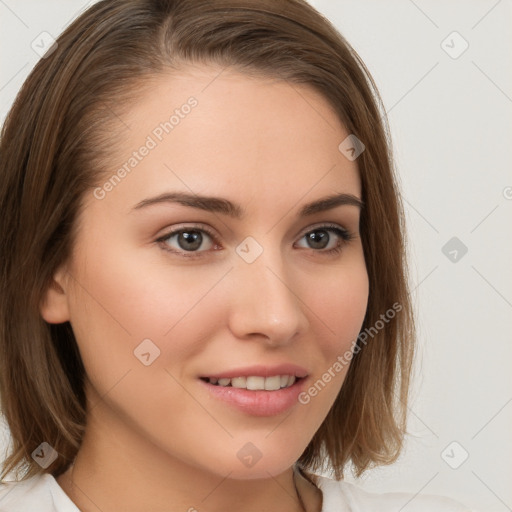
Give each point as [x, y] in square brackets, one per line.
[253, 287]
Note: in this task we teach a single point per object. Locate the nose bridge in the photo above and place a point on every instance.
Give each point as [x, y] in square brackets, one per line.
[264, 301]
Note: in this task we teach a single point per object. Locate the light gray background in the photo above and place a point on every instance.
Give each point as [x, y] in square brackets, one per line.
[451, 120]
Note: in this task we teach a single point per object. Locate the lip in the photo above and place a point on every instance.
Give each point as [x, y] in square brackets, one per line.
[260, 371]
[257, 403]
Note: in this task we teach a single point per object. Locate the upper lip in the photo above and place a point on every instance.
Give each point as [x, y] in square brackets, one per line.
[260, 371]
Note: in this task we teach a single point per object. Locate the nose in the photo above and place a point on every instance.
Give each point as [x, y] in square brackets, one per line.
[263, 302]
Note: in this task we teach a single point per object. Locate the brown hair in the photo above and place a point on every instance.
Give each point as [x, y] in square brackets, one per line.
[53, 146]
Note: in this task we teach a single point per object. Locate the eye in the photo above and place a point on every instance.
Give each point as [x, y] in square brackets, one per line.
[187, 240]
[321, 239]
[191, 241]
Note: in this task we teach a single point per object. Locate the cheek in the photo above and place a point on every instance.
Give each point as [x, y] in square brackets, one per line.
[125, 306]
[337, 311]
[344, 304]
[340, 305]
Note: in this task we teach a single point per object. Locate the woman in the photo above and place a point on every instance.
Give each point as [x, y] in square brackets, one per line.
[205, 293]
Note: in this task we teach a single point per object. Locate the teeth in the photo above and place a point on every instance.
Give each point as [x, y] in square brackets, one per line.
[239, 382]
[273, 383]
[256, 383]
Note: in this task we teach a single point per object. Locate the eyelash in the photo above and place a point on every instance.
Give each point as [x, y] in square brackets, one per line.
[345, 235]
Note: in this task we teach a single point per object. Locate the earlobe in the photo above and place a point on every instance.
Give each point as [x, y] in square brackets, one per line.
[54, 304]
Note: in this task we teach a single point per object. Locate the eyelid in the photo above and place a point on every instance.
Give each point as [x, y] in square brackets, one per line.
[326, 226]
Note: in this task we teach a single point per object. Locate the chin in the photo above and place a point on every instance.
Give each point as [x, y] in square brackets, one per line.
[251, 464]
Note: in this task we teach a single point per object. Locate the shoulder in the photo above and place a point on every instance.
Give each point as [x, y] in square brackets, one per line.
[40, 492]
[340, 496]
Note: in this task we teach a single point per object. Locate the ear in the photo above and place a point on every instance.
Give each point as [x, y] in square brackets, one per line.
[54, 304]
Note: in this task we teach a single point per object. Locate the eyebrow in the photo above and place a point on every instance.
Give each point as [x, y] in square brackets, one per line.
[226, 207]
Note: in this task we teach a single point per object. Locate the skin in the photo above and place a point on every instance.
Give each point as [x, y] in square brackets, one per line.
[155, 440]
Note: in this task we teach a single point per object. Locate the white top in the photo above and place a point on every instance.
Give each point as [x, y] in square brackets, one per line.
[42, 493]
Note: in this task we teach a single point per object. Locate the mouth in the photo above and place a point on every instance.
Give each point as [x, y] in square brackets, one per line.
[255, 382]
[257, 390]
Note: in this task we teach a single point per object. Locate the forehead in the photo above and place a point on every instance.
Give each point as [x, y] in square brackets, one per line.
[215, 130]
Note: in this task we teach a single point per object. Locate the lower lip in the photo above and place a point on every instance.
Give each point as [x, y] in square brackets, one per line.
[258, 403]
